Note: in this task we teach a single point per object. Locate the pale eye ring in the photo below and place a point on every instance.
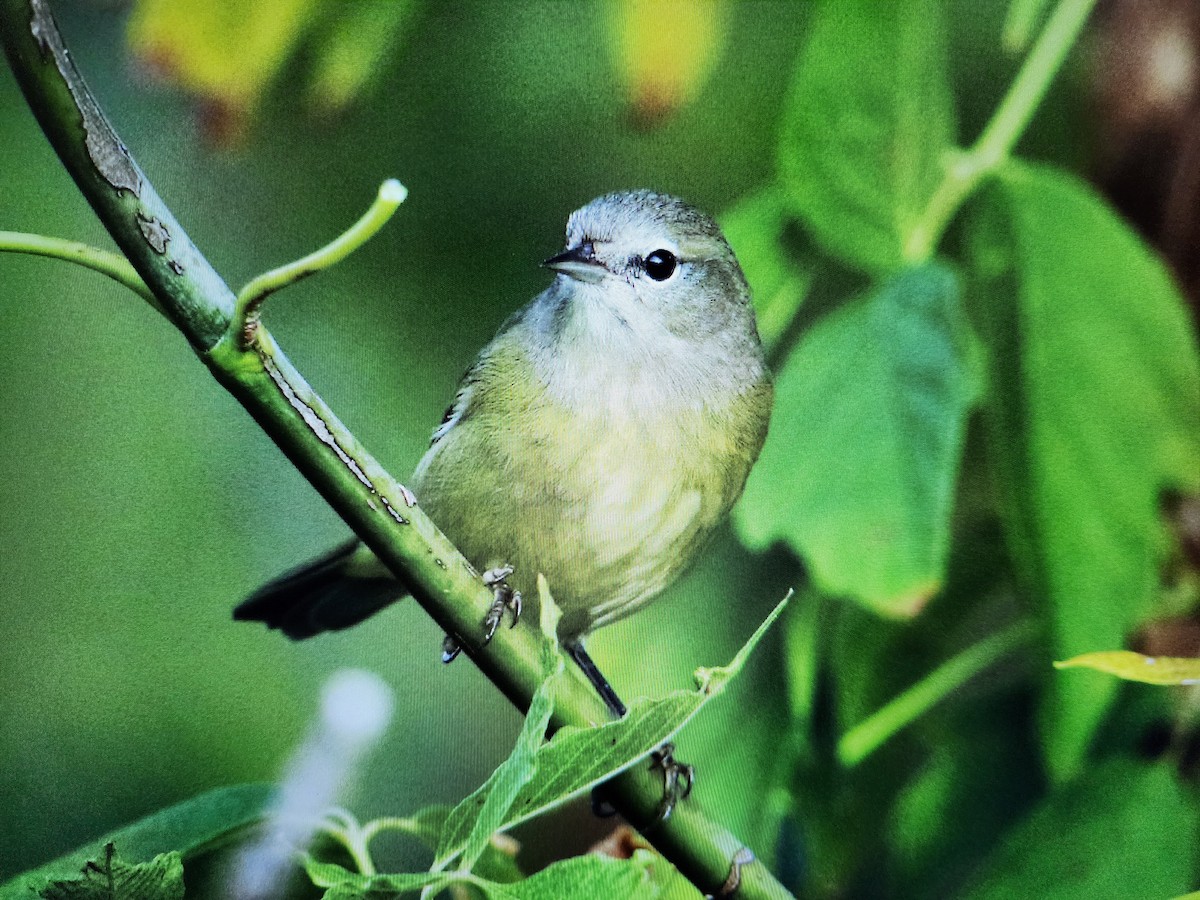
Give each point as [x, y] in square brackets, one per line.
[660, 264]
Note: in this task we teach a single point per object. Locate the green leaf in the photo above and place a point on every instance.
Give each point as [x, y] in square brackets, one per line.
[585, 877]
[577, 877]
[859, 468]
[1093, 412]
[191, 828]
[498, 862]
[1135, 667]
[342, 884]
[485, 812]
[114, 879]
[779, 277]
[1124, 830]
[577, 759]
[868, 123]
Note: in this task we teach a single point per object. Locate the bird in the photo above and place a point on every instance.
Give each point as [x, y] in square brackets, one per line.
[599, 439]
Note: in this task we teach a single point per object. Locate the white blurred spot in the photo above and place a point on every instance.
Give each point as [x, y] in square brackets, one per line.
[1171, 66]
[356, 705]
[356, 708]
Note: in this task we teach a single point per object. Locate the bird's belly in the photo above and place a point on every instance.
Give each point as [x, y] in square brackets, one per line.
[620, 528]
[609, 509]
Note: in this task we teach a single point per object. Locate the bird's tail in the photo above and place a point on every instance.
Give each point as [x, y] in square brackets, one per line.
[333, 592]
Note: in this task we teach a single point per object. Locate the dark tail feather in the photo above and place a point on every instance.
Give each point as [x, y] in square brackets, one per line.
[323, 595]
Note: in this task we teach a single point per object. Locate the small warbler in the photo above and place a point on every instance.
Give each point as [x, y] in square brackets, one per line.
[599, 439]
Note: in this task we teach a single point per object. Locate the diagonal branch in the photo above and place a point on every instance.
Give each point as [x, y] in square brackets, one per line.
[377, 508]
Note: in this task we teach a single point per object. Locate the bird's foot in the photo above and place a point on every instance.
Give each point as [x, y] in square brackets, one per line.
[503, 598]
[678, 779]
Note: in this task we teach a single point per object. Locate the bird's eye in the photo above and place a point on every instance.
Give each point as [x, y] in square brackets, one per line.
[661, 264]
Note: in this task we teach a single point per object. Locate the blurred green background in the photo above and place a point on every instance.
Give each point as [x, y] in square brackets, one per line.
[140, 503]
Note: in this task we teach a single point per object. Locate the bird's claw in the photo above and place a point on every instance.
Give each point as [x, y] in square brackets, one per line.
[503, 598]
[678, 779]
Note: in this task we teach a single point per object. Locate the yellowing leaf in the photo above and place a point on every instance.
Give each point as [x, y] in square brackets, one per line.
[229, 53]
[665, 50]
[1135, 667]
[226, 52]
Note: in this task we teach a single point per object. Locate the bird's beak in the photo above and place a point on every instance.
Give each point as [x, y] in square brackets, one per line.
[579, 263]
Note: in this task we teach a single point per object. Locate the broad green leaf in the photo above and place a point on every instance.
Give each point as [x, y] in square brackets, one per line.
[111, 878]
[1136, 667]
[473, 822]
[757, 229]
[1124, 829]
[580, 877]
[868, 123]
[859, 468]
[586, 877]
[191, 828]
[1093, 412]
[577, 759]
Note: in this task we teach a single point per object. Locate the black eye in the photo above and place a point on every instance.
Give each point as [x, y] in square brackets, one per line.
[660, 265]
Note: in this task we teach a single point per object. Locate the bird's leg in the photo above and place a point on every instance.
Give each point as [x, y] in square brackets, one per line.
[678, 778]
[596, 677]
[503, 597]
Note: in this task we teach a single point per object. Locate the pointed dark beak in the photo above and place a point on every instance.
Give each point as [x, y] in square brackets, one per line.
[579, 263]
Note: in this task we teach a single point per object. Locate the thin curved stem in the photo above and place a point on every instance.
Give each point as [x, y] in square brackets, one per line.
[965, 170]
[248, 306]
[113, 265]
[870, 734]
[354, 840]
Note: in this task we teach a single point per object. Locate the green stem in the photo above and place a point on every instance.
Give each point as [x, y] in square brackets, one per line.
[248, 306]
[1032, 81]
[344, 828]
[113, 265]
[869, 735]
[403, 824]
[966, 170]
[1019, 22]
